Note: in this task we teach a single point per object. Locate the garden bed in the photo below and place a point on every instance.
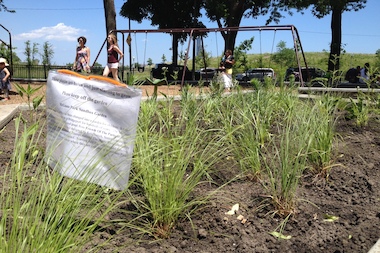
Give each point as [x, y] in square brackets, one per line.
[350, 192]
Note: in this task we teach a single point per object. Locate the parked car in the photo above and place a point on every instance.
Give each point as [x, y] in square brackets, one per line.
[307, 73]
[257, 73]
[172, 72]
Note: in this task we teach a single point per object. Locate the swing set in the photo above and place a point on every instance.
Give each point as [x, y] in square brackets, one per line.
[194, 32]
[141, 67]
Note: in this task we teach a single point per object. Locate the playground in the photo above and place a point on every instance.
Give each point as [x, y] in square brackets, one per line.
[336, 211]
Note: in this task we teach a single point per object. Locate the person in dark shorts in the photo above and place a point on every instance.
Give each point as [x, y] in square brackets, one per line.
[353, 75]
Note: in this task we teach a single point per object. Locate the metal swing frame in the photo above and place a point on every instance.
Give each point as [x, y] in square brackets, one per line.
[194, 31]
[9, 46]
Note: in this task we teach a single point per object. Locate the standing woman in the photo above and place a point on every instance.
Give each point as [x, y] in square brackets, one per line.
[226, 65]
[82, 58]
[113, 58]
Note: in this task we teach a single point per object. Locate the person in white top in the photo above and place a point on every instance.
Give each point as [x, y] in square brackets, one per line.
[364, 75]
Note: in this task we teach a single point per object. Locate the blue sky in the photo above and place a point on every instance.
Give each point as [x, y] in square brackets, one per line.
[62, 22]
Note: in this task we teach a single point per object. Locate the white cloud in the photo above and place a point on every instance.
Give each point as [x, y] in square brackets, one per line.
[60, 32]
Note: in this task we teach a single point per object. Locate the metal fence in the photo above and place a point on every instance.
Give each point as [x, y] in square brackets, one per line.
[39, 73]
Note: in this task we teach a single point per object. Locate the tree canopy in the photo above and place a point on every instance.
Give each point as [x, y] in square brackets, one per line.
[4, 8]
[322, 8]
[185, 13]
[336, 8]
[229, 13]
[165, 14]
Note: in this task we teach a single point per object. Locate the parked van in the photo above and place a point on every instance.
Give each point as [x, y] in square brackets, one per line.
[257, 73]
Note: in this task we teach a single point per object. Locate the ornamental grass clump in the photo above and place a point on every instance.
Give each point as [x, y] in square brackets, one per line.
[217, 85]
[246, 122]
[287, 162]
[189, 107]
[41, 211]
[323, 118]
[168, 164]
[359, 109]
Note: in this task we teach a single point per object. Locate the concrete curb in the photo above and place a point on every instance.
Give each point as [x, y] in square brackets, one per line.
[375, 248]
[7, 112]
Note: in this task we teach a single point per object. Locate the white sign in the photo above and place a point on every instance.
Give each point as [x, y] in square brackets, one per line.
[91, 128]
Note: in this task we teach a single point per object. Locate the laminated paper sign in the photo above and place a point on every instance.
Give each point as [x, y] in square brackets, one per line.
[91, 128]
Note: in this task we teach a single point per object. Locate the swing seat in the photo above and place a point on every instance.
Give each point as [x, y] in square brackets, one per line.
[141, 67]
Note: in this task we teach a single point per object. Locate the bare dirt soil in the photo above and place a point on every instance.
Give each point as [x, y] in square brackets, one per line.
[351, 193]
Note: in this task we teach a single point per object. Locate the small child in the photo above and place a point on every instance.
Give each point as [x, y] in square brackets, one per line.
[5, 78]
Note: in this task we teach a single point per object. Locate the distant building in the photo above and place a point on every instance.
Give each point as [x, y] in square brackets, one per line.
[198, 46]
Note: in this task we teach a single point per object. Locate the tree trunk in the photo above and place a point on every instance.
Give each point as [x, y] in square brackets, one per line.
[110, 15]
[175, 49]
[336, 40]
[229, 40]
[236, 13]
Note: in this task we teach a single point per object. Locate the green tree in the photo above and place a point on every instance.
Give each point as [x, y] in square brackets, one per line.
[149, 62]
[4, 8]
[203, 59]
[5, 52]
[28, 53]
[285, 57]
[163, 58]
[35, 52]
[166, 14]
[47, 54]
[322, 8]
[229, 13]
[240, 54]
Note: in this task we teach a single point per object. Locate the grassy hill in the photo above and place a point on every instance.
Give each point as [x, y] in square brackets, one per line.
[313, 59]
